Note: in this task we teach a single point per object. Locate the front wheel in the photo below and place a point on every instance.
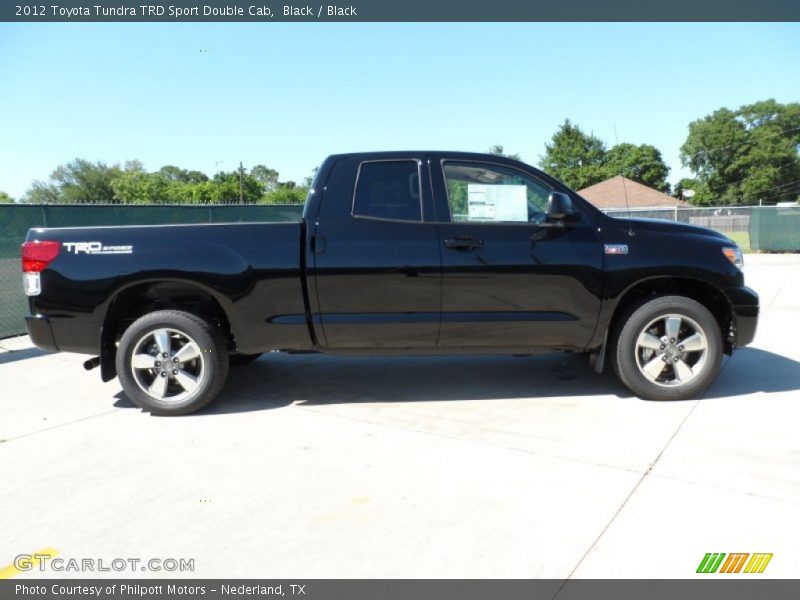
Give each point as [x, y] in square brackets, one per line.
[668, 348]
[171, 362]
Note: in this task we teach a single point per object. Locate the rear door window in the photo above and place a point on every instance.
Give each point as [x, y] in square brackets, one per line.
[388, 189]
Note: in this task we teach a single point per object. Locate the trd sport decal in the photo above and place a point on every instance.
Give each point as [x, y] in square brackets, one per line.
[96, 248]
[616, 248]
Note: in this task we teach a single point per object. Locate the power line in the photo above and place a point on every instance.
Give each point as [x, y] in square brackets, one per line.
[738, 181]
[745, 142]
[794, 187]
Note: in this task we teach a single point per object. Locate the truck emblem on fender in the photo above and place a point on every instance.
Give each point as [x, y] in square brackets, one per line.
[96, 248]
[616, 248]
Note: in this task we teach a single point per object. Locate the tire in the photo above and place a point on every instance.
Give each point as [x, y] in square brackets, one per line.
[237, 360]
[651, 359]
[197, 362]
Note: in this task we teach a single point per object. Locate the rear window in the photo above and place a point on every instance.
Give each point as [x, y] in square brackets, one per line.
[388, 190]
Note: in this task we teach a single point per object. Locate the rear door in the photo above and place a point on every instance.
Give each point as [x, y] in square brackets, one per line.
[377, 260]
[509, 279]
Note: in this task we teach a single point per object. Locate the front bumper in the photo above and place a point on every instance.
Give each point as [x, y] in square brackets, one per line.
[745, 313]
[40, 332]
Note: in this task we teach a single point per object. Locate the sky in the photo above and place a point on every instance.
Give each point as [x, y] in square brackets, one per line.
[207, 96]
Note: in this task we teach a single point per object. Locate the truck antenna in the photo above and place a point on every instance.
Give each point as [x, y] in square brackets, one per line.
[624, 190]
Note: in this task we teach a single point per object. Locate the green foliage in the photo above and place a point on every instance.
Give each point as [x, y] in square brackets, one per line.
[498, 150]
[286, 195]
[41, 192]
[746, 156]
[138, 187]
[174, 173]
[310, 179]
[641, 163]
[5, 198]
[580, 160]
[268, 177]
[226, 188]
[574, 157]
[689, 183]
[457, 192]
[83, 182]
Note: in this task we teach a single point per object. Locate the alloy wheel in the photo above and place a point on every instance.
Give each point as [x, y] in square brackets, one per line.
[168, 365]
[671, 350]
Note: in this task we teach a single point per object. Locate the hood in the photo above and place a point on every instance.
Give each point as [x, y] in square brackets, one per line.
[665, 226]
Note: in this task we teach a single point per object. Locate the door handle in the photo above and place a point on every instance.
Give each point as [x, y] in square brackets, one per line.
[463, 242]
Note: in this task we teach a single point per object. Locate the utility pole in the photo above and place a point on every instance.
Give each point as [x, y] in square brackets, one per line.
[241, 183]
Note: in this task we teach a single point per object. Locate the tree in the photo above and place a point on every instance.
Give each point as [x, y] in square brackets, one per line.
[574, 157]
[746, 156]
[139, 187]
[641, 163]
[498, 150]
[268, 177]
[286, 195]
[81, 181]
[133, 165]
[5, 198]
[41, 192]
[174, 173]
[307, 181]
[226, 188]
[688, 183]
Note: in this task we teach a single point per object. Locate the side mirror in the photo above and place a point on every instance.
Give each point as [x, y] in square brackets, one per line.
[559, 207]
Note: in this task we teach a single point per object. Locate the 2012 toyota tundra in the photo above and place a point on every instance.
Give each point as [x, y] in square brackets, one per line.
[396, 253]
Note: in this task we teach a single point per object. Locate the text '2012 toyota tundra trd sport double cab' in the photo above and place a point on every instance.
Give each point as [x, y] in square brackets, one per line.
[396, 253]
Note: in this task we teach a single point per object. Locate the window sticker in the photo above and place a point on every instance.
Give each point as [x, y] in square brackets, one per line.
[497, 202]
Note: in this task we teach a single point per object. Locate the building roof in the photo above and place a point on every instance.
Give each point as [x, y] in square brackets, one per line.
[611, 194]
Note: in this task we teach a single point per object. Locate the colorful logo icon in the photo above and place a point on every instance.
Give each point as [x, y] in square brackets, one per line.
[713, 562]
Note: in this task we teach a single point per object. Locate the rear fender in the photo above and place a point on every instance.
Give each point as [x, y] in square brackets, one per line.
[109, 332]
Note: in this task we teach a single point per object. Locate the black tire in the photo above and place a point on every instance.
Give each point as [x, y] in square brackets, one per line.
[237, 360]
[209, 368]
[626, 358]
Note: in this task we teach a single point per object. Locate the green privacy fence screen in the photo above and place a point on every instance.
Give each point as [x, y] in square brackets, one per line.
[775, 228]
[15, 220]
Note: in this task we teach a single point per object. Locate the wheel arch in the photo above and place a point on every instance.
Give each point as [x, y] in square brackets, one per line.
[140, 297]
[707, 294]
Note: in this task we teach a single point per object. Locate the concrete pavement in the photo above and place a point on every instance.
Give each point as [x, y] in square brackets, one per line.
[315, 466]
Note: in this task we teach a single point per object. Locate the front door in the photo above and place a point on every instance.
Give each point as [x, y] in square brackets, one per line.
[377, 262]
[509, 279]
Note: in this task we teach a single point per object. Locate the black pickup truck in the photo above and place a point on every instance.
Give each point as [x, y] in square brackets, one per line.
[396, 253]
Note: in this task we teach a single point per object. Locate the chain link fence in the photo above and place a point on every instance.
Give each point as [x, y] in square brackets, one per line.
[15, 220]
[727, 219]
[760, 228]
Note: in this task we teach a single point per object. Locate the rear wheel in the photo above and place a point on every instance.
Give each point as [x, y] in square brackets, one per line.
[171, 362]
[668, 348]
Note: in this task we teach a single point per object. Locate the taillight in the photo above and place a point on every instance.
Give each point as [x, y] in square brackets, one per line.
[38, 254]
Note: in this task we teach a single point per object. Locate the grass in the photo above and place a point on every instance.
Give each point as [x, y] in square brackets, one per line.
[742, 238]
